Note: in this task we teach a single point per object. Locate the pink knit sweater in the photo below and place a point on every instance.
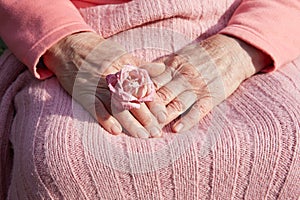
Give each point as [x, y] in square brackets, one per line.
[248, 147]
[29, 28]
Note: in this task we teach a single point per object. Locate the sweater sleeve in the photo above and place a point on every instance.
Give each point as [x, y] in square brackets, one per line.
[30, 27]
[269, 25]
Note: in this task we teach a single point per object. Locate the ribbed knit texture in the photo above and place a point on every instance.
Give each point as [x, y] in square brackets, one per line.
[248, 147]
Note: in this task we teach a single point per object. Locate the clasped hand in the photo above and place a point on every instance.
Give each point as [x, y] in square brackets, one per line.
[81, 63]
[189, 83]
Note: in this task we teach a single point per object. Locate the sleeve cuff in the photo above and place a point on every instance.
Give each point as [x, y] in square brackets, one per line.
[256, 41]
[29, 28]
[33, 56]
[270, 26]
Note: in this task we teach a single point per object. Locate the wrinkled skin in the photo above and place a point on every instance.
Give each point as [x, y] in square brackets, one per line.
[81, 62]
[201, 75]
[189, 83]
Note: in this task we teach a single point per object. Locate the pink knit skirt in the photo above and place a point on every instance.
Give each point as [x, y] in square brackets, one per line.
[248, 147]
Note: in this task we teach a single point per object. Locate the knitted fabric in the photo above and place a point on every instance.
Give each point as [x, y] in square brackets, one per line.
[248, 147]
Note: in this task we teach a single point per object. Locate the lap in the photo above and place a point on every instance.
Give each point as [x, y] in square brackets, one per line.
[247, 146]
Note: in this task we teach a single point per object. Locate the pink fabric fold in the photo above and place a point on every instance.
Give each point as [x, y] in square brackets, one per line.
[11, 82]
[247, 147]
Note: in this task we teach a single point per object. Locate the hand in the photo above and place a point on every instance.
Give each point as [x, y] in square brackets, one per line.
[201, 75]
[81, 62]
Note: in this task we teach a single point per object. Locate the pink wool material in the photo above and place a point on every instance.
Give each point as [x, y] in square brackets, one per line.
[247, 147]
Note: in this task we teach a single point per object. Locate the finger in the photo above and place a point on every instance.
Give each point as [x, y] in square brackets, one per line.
[180, 104]
[107, 121]
[124, 117]
[163, 78]
[158, 109]
[172, 89]
[133, 127]
[154, 69]
[105, 97]
[201, 108]
[146, 118]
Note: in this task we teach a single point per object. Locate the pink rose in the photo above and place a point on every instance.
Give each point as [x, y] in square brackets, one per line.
[130, 87]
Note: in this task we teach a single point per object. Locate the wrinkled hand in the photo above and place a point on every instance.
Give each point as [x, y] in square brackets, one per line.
[81, 62]
[201, 75]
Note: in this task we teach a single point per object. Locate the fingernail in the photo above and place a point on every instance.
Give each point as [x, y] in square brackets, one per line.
[155, 132]
[143, 134]
[162, 117]
[178, 127]
[116, 129]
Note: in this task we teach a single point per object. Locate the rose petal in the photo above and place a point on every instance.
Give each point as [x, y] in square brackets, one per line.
[130, 87]
[142, 91]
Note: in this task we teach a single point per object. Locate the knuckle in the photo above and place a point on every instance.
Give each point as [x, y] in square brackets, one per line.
[179, 59]
[203, 107]
[189, 71]
[165, 94]
[175, 61]
[177, 105]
